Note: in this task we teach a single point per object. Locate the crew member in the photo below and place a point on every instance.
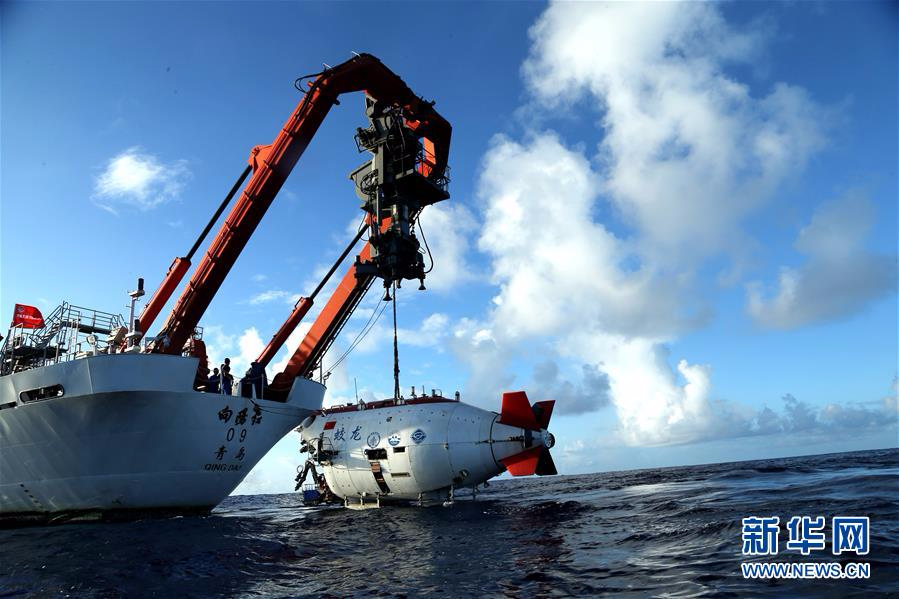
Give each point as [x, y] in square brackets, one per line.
[227, 379]
[214, 382]
[255, 379]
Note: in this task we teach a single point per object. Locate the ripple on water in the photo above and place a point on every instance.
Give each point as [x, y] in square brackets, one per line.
[672, 532]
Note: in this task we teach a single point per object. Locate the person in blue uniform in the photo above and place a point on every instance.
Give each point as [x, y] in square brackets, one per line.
[227, 379]
[214, 382]
[255, 379]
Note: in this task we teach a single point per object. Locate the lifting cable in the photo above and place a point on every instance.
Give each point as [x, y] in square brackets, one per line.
[396, 352]
[372, 321]
[359, 233]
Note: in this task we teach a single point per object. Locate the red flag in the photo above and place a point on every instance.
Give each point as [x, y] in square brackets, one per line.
[27, 317]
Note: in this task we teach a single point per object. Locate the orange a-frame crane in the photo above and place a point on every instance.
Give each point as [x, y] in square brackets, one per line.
[409, 142]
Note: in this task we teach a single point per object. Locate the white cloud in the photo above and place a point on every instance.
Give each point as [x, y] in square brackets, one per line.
[241, 349]
[219, 344]
[567, 287]
[655, 404]
[245, 347]
[271, 295]
[140, 180]
[473, 342]
[371, 328]
[433, 330]
[251, 345]
[447, 228]
[687, 153]
[338, 381]
[290, 346]
[838, 278]
[556, 266]
[588, 395]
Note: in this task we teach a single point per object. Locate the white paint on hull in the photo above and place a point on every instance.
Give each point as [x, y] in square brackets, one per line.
[130, 433]
[429, 447]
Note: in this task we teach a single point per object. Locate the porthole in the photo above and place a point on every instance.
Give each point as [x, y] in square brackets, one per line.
[42, 393]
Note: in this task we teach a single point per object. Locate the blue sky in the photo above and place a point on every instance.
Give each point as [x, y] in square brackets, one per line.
[678, 220]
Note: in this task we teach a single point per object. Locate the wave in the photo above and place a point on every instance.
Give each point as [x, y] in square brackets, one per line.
[663, 531]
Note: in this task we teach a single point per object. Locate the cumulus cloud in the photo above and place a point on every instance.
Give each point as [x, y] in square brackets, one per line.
[447, 227]
[290, 346]
[654, 402]
[557, 267]
[570, 286]
[687, 150]
[431, 333]
[798, 416]
[250, 345]
[241, 348]
[803, 421]
[219, 343]
[371, 330]
[839, 277]
[595, 252]
[475, 344]
[588, 395]
[140, 180]
[338, 382]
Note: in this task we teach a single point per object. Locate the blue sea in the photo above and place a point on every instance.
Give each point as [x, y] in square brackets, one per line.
[672, 532]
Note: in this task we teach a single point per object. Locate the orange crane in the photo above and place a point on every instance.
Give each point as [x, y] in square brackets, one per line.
[409, 143]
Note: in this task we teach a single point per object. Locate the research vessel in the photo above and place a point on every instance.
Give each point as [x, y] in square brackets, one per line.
[86, 431]
[97, 417]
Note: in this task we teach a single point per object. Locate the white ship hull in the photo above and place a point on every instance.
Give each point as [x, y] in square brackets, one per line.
[130, 434]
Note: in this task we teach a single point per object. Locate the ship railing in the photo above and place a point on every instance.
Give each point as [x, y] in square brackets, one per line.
[424, 163]
[252, 387]
[70, 332]
[242, 387]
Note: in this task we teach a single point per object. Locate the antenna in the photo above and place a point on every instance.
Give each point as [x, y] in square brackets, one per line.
[134, 334]
[357, 389]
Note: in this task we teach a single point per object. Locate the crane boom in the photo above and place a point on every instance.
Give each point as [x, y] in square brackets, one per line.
[181, 264]
[300, 308]
[330, 320]
[272, 164]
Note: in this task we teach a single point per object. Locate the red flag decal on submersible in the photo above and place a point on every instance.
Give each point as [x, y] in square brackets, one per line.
[330, 425]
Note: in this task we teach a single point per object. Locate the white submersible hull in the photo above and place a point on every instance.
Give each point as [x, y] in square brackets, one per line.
[126, 432]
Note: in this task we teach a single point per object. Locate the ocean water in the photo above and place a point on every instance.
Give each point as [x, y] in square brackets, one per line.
[661, 532]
